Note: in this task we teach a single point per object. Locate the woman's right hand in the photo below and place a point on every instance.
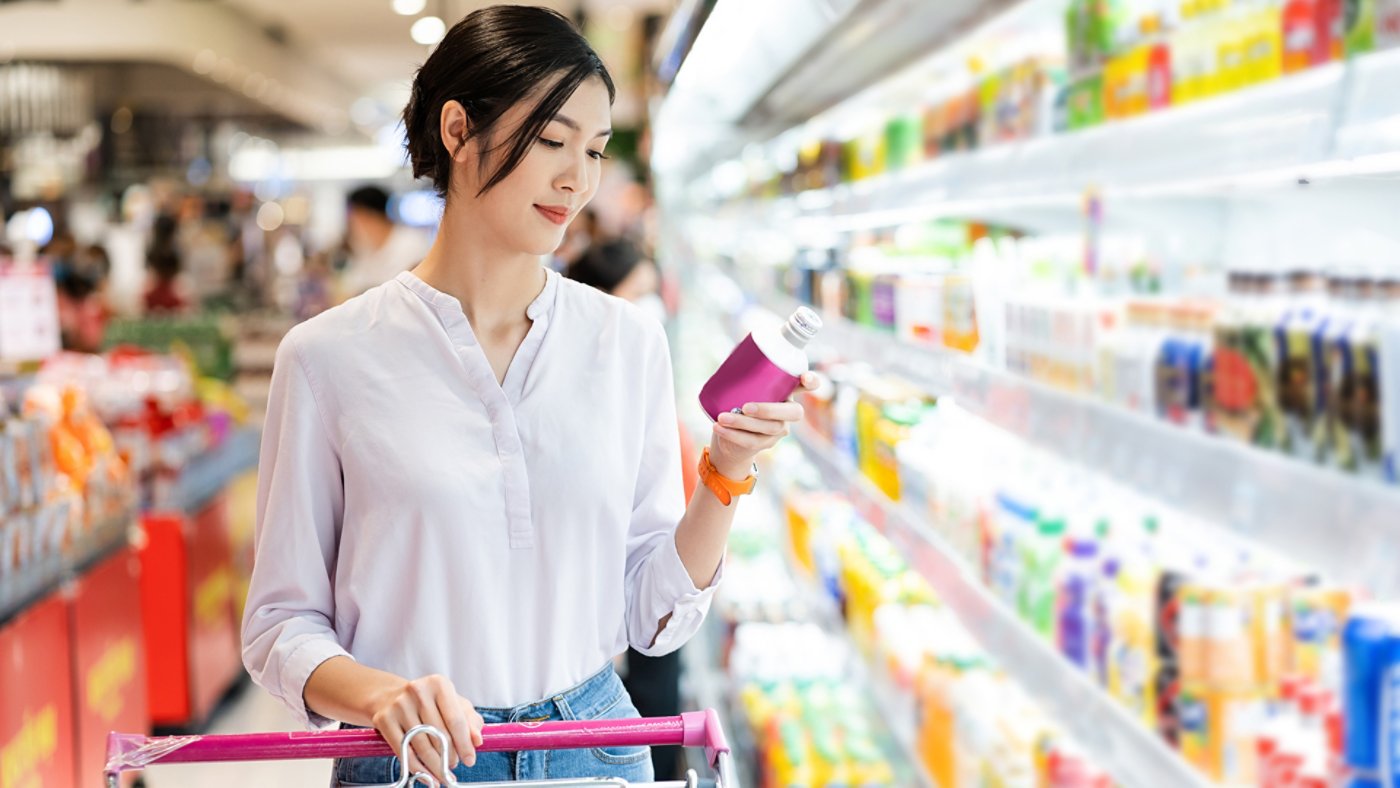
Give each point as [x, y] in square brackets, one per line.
[430, 700]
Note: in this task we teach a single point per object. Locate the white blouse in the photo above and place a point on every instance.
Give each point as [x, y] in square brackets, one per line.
[421, 518]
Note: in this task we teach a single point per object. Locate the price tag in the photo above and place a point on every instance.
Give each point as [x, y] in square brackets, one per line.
[28, 313]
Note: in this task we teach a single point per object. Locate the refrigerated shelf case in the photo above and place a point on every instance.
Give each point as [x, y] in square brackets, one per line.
[706, 684]
[1333, 122]
[1115, 741]
[1342, 525]
[1108, 734]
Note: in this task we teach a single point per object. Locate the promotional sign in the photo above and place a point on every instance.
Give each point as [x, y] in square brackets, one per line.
[36, 698]
[109, 671]
[28, 312]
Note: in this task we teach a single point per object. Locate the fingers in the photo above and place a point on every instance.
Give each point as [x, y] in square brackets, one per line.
[428, 697]
[431, 693]
[811, 381]
[751, 424]
[462, 724]
[774, 411]
[476, 725]
[748, 442]
[393, 733]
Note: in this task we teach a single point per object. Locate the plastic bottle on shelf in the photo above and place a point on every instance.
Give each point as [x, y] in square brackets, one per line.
[1329, 45]
[1344, 288]
[1041, 555]
[919, 308]
[1387, 24]
[1371, 645]
[1174, 367]
[1359, 27]
[1298, 389]
[1014, 519]
[1299, 34]
[1142, 379]
[1360, 409]
[1075, 608]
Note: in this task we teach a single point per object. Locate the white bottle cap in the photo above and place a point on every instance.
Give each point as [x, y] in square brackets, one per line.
[802, 327]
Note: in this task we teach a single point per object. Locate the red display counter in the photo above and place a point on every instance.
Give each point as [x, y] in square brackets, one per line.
[109, 668]
[191, 636]
[36, 697]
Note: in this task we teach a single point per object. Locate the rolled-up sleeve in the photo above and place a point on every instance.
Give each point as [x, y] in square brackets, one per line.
[288, 623]
[657, 583]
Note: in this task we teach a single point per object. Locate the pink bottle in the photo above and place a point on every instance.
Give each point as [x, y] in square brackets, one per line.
[766, 367]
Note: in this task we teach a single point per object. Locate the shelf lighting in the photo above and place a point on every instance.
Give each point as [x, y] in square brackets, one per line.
[409, 7]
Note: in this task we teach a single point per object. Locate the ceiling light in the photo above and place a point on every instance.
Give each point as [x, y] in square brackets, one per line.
[270, 216]
[205, 61]
[428, 31]
[409, 7]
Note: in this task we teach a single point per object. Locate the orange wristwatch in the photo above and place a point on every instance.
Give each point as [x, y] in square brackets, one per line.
[722, 486]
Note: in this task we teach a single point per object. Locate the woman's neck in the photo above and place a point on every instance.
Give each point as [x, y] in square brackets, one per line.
[494, 286]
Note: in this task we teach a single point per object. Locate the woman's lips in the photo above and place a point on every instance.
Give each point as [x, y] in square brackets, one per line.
[556, 215]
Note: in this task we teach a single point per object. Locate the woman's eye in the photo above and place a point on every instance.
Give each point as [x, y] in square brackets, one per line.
[548, 143]
[599, 155]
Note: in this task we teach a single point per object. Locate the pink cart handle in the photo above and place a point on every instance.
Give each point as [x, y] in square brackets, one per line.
[131, 752]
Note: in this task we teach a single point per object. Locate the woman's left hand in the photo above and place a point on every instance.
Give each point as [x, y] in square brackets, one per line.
[737, 439]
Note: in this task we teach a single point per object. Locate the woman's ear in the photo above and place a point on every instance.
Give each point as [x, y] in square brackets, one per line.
[454, 127]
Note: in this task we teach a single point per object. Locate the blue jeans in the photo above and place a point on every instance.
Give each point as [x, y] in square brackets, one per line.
[599, 698]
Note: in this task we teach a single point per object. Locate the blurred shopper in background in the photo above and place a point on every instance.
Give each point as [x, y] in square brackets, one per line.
[380, 249]
[619, 268]
[82, 308]
[165, 291]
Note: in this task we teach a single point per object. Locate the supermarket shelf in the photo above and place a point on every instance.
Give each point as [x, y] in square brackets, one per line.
[882, 692]
[757, 69]
[13, 385]
[1341, 525]
[705, 686]
[207, 475]
[1335, 120]
[1109, 735]
[19, 589]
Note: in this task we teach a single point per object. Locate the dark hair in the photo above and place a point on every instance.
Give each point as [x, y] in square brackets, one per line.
[370, 198]
[490, 61]
[607, 264]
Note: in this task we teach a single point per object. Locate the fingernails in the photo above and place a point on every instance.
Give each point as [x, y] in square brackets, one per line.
[471, 761]
[750, 409]
[726, 418]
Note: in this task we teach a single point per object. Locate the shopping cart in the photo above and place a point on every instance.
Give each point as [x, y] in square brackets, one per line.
[128, 752]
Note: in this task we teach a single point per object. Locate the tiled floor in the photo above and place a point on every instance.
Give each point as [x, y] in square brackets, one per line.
[253, 711]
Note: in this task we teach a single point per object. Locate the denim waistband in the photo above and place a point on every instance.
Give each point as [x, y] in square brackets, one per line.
[586, 700]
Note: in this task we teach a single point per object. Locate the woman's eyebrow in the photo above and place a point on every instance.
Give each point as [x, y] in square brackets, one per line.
[573, 124]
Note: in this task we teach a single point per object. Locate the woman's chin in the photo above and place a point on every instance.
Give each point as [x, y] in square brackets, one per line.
[541, 247]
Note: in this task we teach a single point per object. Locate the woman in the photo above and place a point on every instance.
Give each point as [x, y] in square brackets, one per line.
[469, 492]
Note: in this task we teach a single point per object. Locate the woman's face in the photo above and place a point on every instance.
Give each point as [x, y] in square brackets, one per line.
[532, 207]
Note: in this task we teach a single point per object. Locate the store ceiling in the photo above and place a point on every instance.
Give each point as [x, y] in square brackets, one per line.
[362, 40]
[319, 57]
